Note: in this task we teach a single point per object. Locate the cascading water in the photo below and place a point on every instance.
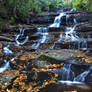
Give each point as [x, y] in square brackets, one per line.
[82, 76]
[67, 74]
[5, 66]
[67, 19]
[70, 34]
[82, 44]
[58, 20]
[20, 35]
[44, 35]
[7, 51]
[75, 21]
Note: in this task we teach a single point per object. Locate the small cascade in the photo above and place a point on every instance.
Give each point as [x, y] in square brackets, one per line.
[75, 21]
[5, 66]
[82, 76]
[70, 34]
[67, 74]
[43, 32]
[67, 19]
[60, 38]
[21, 34]
[6, 50]
[58, 20]
[82, 44]
[73, 10]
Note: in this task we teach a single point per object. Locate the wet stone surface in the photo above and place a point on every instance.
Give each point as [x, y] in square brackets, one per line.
[42, 69]
[68, 56]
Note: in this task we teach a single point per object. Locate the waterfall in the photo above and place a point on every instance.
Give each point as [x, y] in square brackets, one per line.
[82, 44]
[67, 74]
[73, 9]
[5, 66]
[20, 35]
[43, 32]
[67, 19]
[75, 21]
[70, 34]
[58, 20]
[60, 38]
[6, 50]
[82, 76]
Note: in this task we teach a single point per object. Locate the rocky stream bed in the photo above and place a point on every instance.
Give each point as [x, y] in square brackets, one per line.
[47, 61]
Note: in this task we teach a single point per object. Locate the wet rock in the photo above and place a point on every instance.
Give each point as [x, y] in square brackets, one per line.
[7, 77]
[84, 27]
[67, 56]
[58, 87]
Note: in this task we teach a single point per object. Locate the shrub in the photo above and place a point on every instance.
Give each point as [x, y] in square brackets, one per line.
[82, 4]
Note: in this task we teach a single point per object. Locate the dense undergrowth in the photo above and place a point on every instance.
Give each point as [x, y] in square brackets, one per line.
[16, 9]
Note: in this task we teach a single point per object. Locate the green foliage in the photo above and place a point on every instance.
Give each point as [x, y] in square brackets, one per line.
[82, 4]
[49, 5]
[22, 7]
[25, 8]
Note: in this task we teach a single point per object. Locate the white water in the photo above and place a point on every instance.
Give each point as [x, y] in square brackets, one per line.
[67, 19]
[67, 74]
[58, 20]
[44, 35]
[75, 21]
[60, 38]
[82, 76]
[70, 34]
[82, 44]
[5, 66]
[6, 50]
[21, 34]
[71, 82]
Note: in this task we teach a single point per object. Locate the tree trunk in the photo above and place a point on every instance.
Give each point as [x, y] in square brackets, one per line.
[14, 10]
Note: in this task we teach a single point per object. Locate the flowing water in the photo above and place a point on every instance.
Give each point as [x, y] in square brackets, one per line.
[82, 76]
[43, 38]
[70, 34]
[21, 34]
[68, 76]
[58, 20]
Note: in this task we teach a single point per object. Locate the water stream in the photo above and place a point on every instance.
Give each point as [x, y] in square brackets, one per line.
[21, 34]
[69, 78]
[68, 75]
[43, 32]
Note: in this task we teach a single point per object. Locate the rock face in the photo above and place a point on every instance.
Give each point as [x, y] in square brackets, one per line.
[67, 56]
[49, 18]
[39, 70]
